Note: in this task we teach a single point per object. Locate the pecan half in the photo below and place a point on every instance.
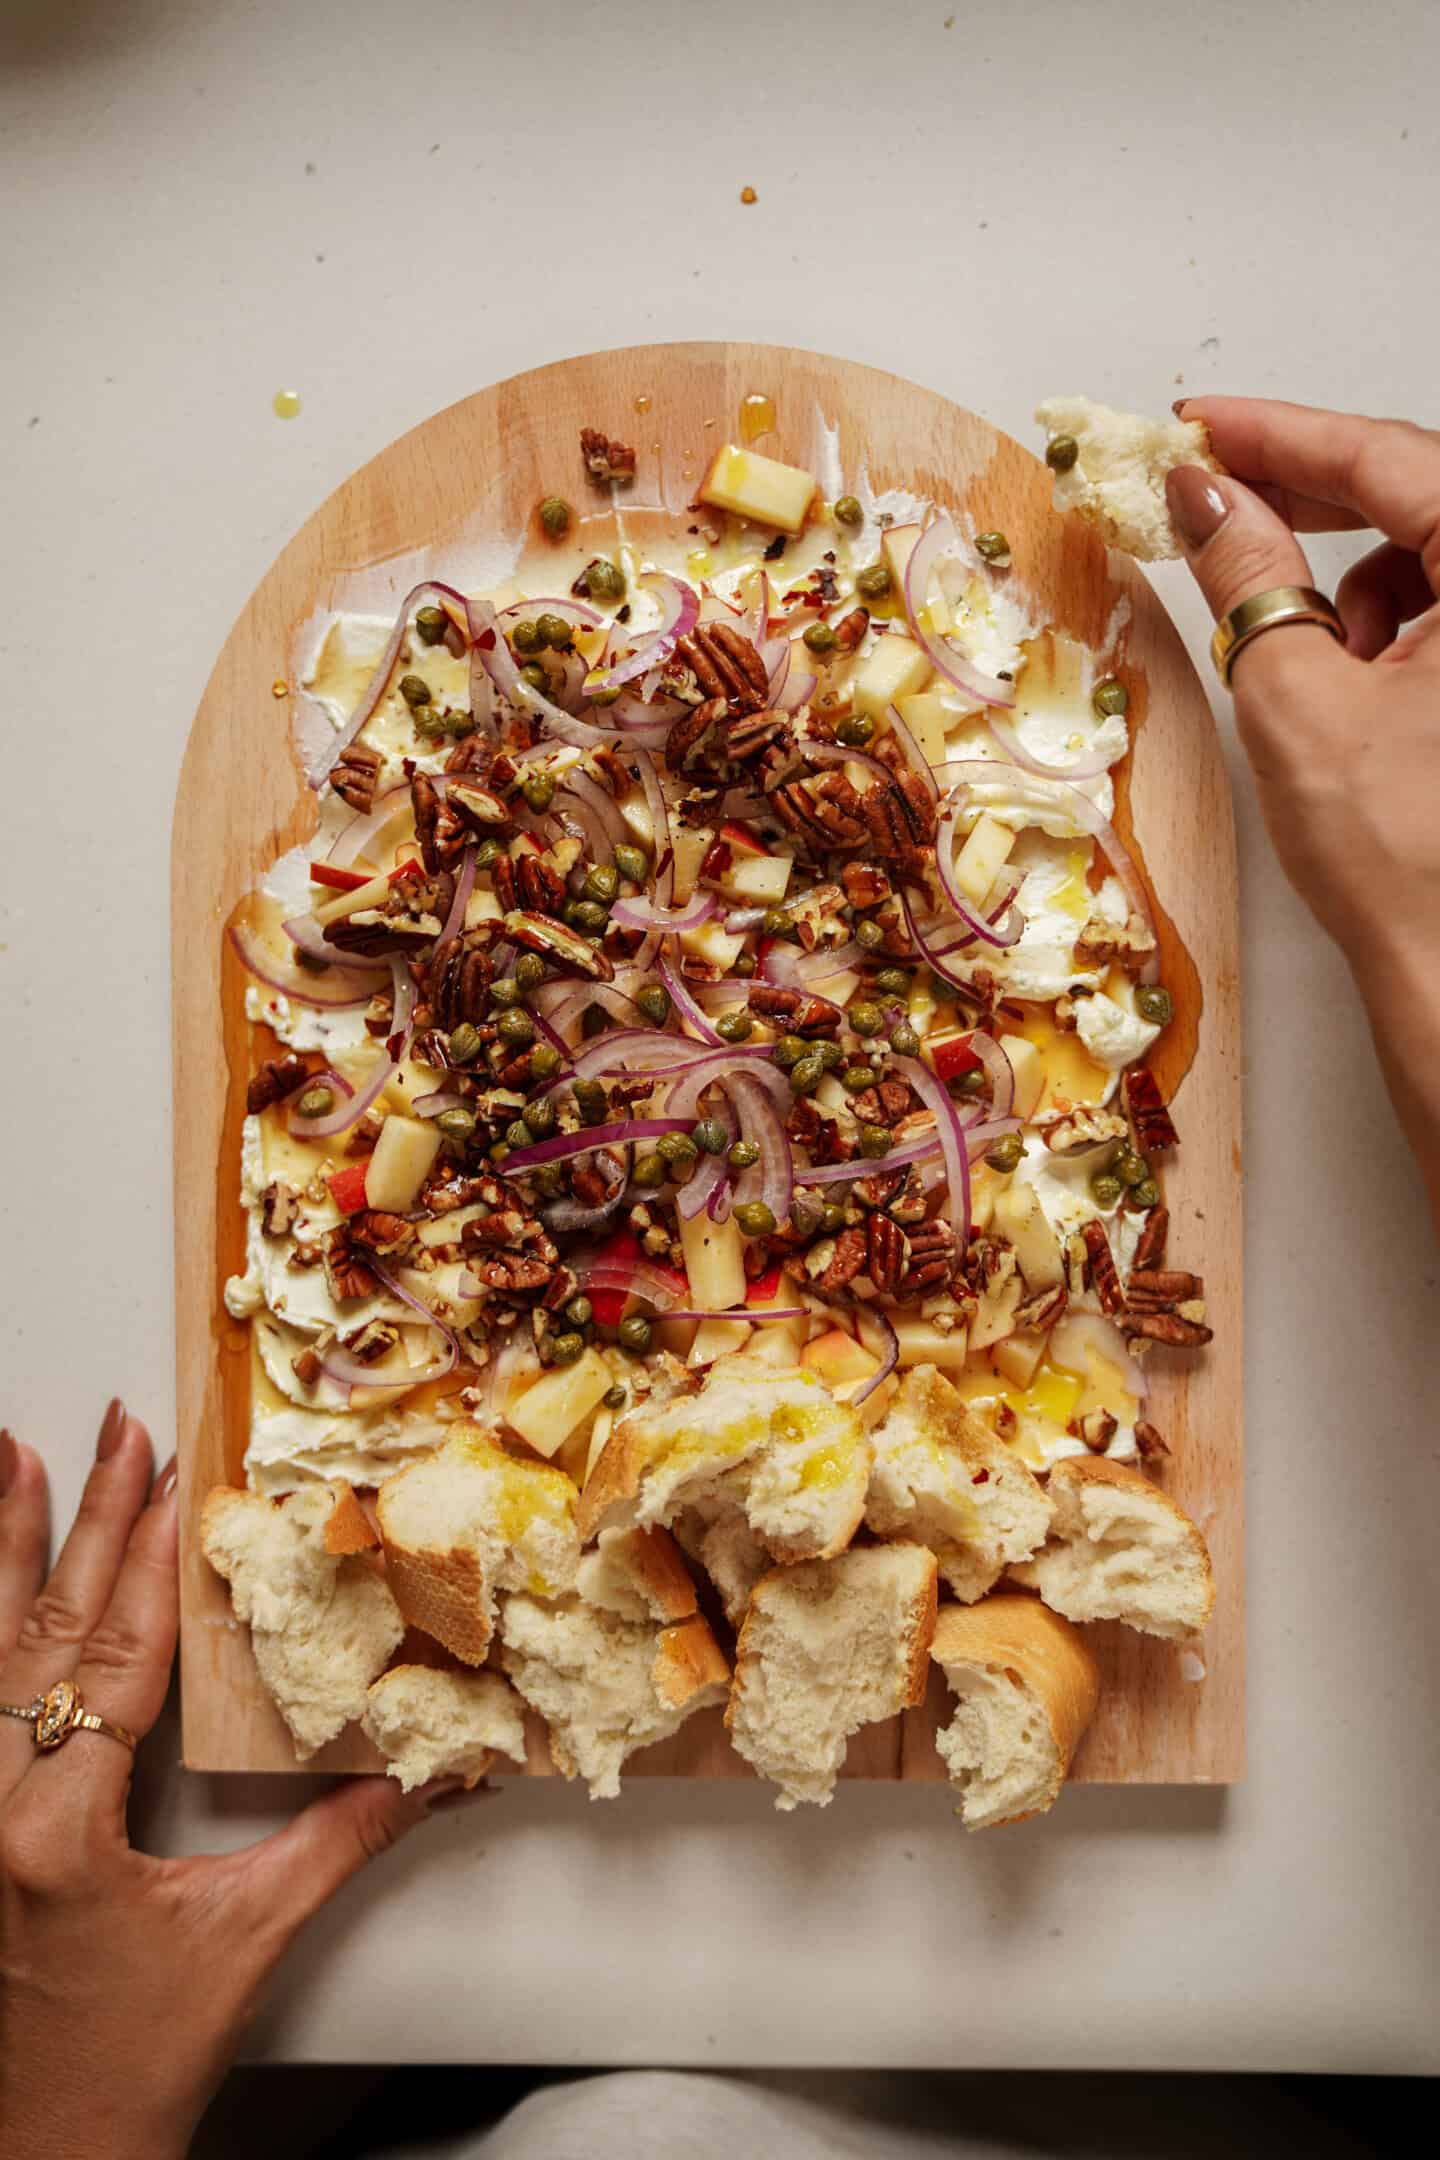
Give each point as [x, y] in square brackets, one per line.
[1102, 1266]
[850, 630]
[1154, 1129]
[556, 941]
[1149, 1444]
[459, 978]
[1164, 1287]
[865, 883]
[932, 1257]
[353, 777]
[606, 459]
[754, 732]
[1083, 1128]
[279, 1206]
[479, 804]
[726, 665]
[1150, 1252]
[439, 831]
[540, 884]
[1042, 1311]
[502, 882]
[515, 1272]
[346, 1274]
[685, 744]
[1168, 1327]
[886, 1251]
[801, 1011]
[846, 1262]
[276, 1078]
[380, 1231]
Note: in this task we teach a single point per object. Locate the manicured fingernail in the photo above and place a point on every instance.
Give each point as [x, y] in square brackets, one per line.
[165, 1483]
[112, 1432]
[1196, 504]
[1178, 408]
[9, 1460]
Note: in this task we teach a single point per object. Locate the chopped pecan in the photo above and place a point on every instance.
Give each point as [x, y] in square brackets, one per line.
[850, 630]
[485, 1232]
[1150, 1252]
[847, 1261]
[306, 1368]
[502, 882]
[380, 1231]
[1101, 943]
[1102, 1266]
[865, 883]
[1154, 1130]
[437, 828]
[1148, 1443]
[837, 809]
[275, 1079]
[371, 1341]
[932, 1257]
[726, 665]
[474, 755]
[1097, 1429]
[1167, 1327]
[800, 1010]
[592, 1177]
[1083, 1128]
[686, 740]
[886, 1251]
[514, 1271]
[606, 459]
[481, 805]
[908, 1205]
[754, 732]
[1041, 1311]
[279, 1206]
[625, 1093]
[353, 777]
[540, 884]
[1162, 1288]
[557, 942]
[346, 1274]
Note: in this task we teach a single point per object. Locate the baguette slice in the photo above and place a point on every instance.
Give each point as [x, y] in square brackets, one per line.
[942, 1478]
[1027, 1686]
[1120, 1549]
[605, 1685]
[772, 1442]
[323, 1625]
[1117, 482]
[467, 1522]
[829, 1646]
[430, 1724]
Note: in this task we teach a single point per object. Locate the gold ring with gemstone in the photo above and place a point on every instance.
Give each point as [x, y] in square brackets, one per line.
[58, 1713]
[1267, 611]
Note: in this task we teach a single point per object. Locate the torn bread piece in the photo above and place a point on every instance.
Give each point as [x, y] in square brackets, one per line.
[1117, 482]
[1120, 1549]
[348, 1528]
[323, 1624]
[431, 1724]
[726, 1549]
[1028, 1685]
[943, 1478]
[467, 1522]
[772, 1442]
[606, 1685]
[829, 1646]
[638, 1574]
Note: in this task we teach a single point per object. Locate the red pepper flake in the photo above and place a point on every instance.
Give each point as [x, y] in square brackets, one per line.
[981, 1477]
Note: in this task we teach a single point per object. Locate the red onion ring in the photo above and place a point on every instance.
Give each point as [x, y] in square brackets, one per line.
[759, 621]
[889, 1355]
[682, 1001]
[680, 611]
[636, 1277]
[417, 1305]
[604, 806]
[797, 691]
[376, 687]
[914, 756]
[349, 1371]
[464, 886]
[772, 1178]
[1079, 768]
[950, 1127]
[571, 611]
[688, 1085]
[779, 674]
[567, 1009]
[1001, 935]
[428, 1106]
[999, 1071]
[863, 1166]
[953, 665]
[570, 1214]
[300, 988]
[642, 915]
[499, 664]
[361, 830]
[590, 1137]
[308, 936]
[792, 970]
[303, 1128]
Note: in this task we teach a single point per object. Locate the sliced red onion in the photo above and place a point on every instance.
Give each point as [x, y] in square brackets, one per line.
[745, 1312]
[570, 1214]
[682, 1001]
[780, 673]
[417, 1305]
[349, 1371]
[889, 1353]
[464, 886]
[642, 723]
[679, 613]
[402, 1017]
[799, 686]
[428, 1106]
[354, 838]
[576, 998]
[998, 1070]
[636, 1277]
[571, 611]
[1079, 768]
[782, 964]
[604, 806]
[308, 936]
[590, 1137]
[721, 1201]
[303, 1128]
[980, 1137]
[823, 753]
[688, 1085]
[499, 664]
[640, 914]
[376, 687]
[739, 920]
[837, 1173]
[771, 1179]
[632, 1049]
[758, 628]
[914, 756]
[938, 538]
[301, 988]
[950, 1127]
[1000, 935]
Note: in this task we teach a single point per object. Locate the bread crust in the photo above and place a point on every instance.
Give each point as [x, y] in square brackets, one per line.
[687, 1660]
[614, 1480]
[441, 1591]
[659, 1573]
[348, 1528]
[973, 1565]
[1013, 1634]
[1101, 1470]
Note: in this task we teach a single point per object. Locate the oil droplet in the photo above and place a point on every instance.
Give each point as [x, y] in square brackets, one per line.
[279, 688]
[285, 404]
[748, 195]
[643, 403]
[757, 416]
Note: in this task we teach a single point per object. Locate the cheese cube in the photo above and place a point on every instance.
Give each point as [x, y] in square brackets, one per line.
[401, 1163]
[715, 1263]
[548, 1412]
[927, 717]
[759, 487]
[713, 942]
[922, 1344]
[983, 856]
[1029, 1069]
[893, 669]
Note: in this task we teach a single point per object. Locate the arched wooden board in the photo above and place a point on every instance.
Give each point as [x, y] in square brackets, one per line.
[480, 468]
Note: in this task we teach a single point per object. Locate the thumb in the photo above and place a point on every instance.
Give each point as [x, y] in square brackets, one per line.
[295, 1871]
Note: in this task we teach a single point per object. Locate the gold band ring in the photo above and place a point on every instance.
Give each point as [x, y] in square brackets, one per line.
[58, 1713]
[1266, 611]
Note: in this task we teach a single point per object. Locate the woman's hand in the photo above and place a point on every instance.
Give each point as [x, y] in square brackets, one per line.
[126, 1982]
[1344, 740]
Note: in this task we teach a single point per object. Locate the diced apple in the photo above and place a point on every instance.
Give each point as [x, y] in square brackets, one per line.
[776, 1342]
[895, 668]
[547, 1413]
[984, 1184]
[951, 1055]
[897, 545]
[600, 1432]
[1029, 1069]
[839, 1360]
[481, 907]
[983, 857]
[1018, 1356]
[714, 1262]
[404, 1153]
[635, 811]
[740, 839]
[759, 488]
[757, 880]
[995, 1315]
[839, 988]
[691, 844]
[1020, 1217]
[354, 902]
[926, 715]
[922, 1344]
[712, 942]
[717, 1338]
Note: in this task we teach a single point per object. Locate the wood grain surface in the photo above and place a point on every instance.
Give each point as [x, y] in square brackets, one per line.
[1167, 1716]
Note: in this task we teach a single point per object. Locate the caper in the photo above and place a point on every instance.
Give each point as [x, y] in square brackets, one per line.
[734, 1026]
[904, 1041]
[544, 1061]
[589, 916]
[1105, 1190]
[526, 638]
[602, 883]
[579, 1312]
[1130, 1168]
[548, 1180]
[632, 863]
[873, 1141]
[743, 1155]
[895, 982]
[830, 1054]
[994, 547]
[651, 1170]
[535, 675]
[745, 965]
[457, 1124]
[505, 990]
[855, 1078]
[591, 1101]
[487, 854]
[415, 690]
[806, 1074]
[776, 923]
[635, 1333]
[710, 1136]
[873, 582]
[464, 1043]
[971, 1083]
[820, 638]
[555, 516]
[1061, 452]
[754, 1219]
[606, 694]
[653, 1000]
[1004, 1154]
[677, 1148]
[868, 935]
[1146, 1194]
[1109, 698]
[519, 1135]
[538, 788]
[566, 1348]
[430, 725]
[832, 1218]
[431, 623]
[1154, 1003]
[848, 511]
[499, 1152]
[855, 730]
[540, 1116]
[789, 1051]
[615, 1398]
[605, 579]
[316, 1101]
[555, 631]
[866, 1018]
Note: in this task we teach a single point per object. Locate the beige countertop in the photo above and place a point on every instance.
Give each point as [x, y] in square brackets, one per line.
[386, 209]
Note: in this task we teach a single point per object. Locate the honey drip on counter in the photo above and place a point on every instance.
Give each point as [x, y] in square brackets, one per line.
[643, 403]
[757, 417]
[285, 404]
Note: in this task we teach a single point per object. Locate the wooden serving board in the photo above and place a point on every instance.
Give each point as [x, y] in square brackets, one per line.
[1167, 1717]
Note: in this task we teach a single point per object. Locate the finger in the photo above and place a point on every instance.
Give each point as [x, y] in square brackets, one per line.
[295, 1871]
[1302, 513]
[1387, 470]
[1384, 589]
[24, 1534]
